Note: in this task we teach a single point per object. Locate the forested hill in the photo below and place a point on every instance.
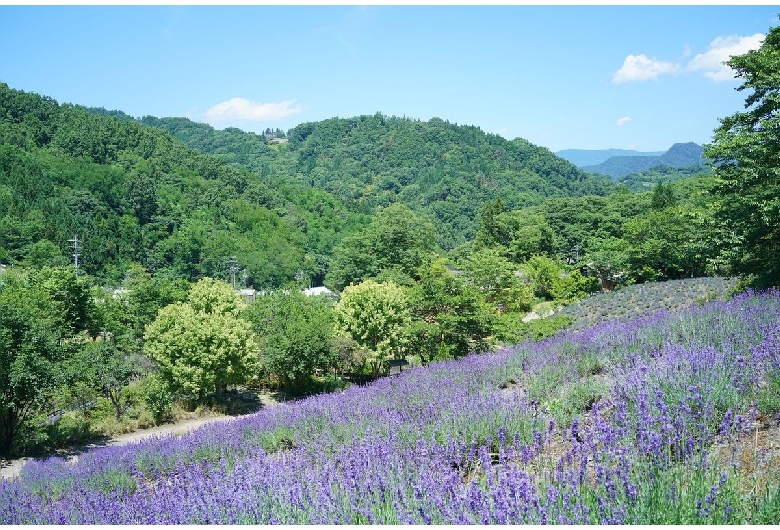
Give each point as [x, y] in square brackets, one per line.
[592, 157]
[445, 170]
[681, 155]
[134, 194]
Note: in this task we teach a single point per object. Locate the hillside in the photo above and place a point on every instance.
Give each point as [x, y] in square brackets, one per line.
[638, 300]
[647, 180]
[444, 170]
[592, 157]
[134, 194]
[679, 155]
[661, 420]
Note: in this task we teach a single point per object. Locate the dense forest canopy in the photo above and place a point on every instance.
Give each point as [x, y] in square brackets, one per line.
[444, 170]
[133, 193]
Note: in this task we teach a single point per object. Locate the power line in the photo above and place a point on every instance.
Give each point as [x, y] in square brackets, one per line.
[75, 246]
[233, 269]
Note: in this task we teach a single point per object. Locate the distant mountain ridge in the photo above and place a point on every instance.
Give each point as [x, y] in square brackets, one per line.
[679, 155]
[592, 157]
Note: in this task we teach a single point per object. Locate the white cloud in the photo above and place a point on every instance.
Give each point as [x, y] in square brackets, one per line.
[243, 109]
[623, 120]
[642, 68]
[719, 51]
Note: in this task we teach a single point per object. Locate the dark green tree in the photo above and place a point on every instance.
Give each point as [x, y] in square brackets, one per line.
[450, 315]
[397, 238]
[663, 196]
[746, 154]
[295, 334]
[29, 356]
[489, 233]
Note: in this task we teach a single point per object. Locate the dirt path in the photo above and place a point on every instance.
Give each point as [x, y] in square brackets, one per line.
[11, 468]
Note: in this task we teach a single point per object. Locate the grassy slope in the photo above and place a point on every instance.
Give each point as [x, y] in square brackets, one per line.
[642, 299]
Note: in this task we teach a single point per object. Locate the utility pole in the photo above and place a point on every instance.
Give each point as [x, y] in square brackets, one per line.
[233, 262]
[75, 246]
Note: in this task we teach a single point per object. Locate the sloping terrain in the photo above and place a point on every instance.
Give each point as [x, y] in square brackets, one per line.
[655, 421]
[638, 300]
[446, 170]
[679, 155]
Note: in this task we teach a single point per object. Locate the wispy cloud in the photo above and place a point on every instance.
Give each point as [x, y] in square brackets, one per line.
[641, 68]
[245, 110]
[711, 62]
[623, 120]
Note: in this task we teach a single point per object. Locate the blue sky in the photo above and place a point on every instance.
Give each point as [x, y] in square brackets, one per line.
[582, 77]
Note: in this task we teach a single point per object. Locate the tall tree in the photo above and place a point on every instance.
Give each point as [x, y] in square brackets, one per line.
[29, 356]
[295, 333]
[746, 154]
[663, 196]
[375, 316]
[451, 316]
[203, 345]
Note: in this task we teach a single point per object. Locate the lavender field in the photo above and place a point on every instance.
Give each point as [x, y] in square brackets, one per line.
[667, 419]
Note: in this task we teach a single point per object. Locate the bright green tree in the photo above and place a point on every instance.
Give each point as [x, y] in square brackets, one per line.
[203, 345]
[374, 315]
[496, 278]
[746, 155]
[543, 273]
[668, 244]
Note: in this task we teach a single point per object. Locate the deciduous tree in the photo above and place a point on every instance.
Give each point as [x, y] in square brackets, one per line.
[202, 346]
[295, 335]
[29, 357]
[374, 315]
[746, 153]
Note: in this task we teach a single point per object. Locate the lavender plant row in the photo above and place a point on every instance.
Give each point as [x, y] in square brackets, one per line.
[492, 438]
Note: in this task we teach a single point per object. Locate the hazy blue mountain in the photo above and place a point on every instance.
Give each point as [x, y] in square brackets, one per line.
[679, 155]
[592, 157]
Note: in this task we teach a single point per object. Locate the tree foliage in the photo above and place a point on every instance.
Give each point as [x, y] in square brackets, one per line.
[133, 194]
[29, 355]
[295, 335]
[745, 151]
[203, 345]
[397, 239]
[450, 315]
[375, 316]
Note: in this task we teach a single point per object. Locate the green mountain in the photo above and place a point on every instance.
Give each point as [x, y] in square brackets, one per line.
[134, 194]
[679, 155]
[444, 170]
[592, 157]
[182, 199]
